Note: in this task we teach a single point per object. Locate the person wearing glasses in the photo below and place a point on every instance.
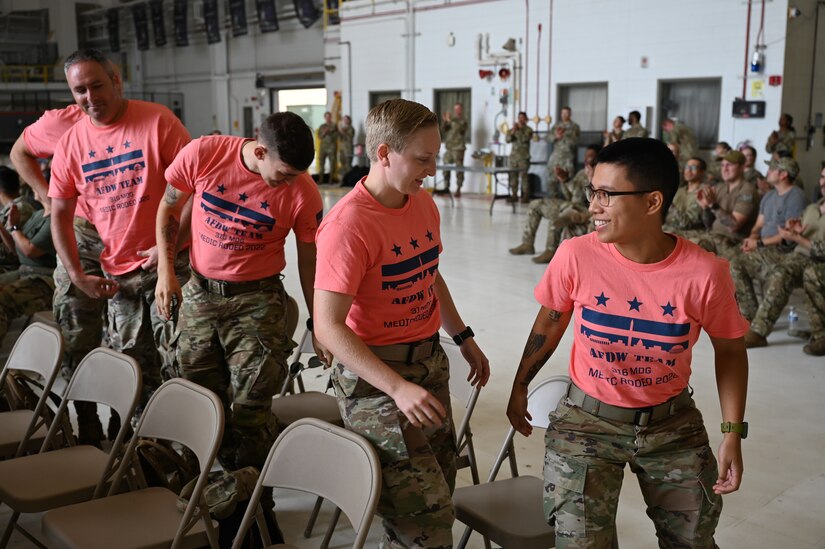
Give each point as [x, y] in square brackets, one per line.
[638, 298]
[685, 213]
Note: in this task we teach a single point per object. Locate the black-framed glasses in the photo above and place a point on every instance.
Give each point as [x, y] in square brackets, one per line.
[604, 196]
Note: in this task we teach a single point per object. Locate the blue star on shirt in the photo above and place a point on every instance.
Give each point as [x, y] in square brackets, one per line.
[414, 243]
[397, 249]
[242, 197]
[430, 236]
[221, 189]
[635, 304]
[264, 205]
[667, 309]
[92, 154]
[110, 149]
[601, 299]
[127, 144]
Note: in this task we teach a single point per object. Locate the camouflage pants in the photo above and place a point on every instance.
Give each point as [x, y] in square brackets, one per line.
[418, 464]
[563, 157]
[80, 317]
[22, 293]
[345, 159]
[237, 347]
[136, 329]
[325, 153]
[716, 243]
[813, 280]
[519, 178]
[584, 467]
[454, 156]
[778, 273]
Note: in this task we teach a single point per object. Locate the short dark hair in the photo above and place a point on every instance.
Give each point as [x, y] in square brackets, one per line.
[702, 164]
[9, 181]
[90, 54]
[287, 135]
[648, 164]
[595, 147]
[620, 117]
[522, 112]
[635, 114]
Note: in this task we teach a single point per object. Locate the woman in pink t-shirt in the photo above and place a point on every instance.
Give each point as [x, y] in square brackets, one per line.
[379, 303]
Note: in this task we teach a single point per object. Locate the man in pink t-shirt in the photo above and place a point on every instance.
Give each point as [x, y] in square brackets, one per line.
[111, 165]
[379, 303]
[639, 298]
[248, 195]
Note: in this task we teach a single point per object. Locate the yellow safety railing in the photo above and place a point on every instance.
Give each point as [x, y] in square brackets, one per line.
[27, 73]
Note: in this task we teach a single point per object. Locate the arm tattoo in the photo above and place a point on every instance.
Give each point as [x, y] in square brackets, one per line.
[534, 344]
[171, 196]
[534, 369]
[554, 315]
[170, 231]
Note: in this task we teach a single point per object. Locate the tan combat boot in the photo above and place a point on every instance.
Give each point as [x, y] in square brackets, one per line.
[815, 348]
[544, 257]
[523, 249]
[752, 339]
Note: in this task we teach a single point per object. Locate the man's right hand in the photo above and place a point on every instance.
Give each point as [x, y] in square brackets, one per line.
[419, 405]
[517, 410]
[167, 287]
[96, 287]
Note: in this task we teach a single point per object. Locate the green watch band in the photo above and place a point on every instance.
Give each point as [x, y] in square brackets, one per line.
[740, 428]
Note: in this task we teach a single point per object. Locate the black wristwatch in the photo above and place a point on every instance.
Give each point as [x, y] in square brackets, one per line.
[14, 228]
[463, 336]
[310, 325]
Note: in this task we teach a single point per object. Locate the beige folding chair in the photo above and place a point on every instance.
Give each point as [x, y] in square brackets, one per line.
[179, 411]
[50, 479]
[510, 512]
[467, 394]
[313, 456]
[38, 350]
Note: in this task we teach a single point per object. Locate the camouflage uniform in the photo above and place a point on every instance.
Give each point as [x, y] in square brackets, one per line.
[685, 212]
[636, 130]
[150, 343]
[721, 240]
[779, 273]
[564, 148]
[455, 133]
[520, 160]
[584, 469]
[684, 137]
[28, 289]
[328, 137]
[813, 280]
[786, 142]
[8, 258]
[345, 138]
[560, 212]
[417, 464]
[237, 346]
[751, 175]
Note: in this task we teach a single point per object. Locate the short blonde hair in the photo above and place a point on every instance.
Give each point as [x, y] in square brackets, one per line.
[392, 122]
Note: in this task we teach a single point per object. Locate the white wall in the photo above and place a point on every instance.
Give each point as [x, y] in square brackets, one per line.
[592, 41]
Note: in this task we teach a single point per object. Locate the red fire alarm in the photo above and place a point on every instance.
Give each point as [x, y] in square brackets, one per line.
[775, 80]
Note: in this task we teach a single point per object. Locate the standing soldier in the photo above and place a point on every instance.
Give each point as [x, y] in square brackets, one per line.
[249, 195]
[328, 137]
[565, 136]
[455, 134]
[346, 135]
[520, 136]
[636, 129]
[683, 136]
[783, 139]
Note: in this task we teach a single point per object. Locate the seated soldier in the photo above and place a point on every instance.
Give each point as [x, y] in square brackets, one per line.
[714, 171]
[813, 280]
[10, 196]
[569, 196]
[28, 289]
[685, 213]
[778, 273]
[752, 175]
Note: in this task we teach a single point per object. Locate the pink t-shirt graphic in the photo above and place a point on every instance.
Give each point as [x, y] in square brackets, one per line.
[635, 324]
[388, 260]
[116, 173]
[239, 222]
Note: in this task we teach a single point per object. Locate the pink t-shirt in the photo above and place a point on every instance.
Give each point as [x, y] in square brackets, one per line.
[387, 259]
[116, 173]
[42, 136]
[239, 222]
[635, 324]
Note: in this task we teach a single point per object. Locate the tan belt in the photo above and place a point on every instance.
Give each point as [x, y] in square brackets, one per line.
[407, 352]
[636, 416]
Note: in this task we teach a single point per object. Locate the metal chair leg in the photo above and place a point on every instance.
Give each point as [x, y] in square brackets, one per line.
[313, 517]
[331, 528]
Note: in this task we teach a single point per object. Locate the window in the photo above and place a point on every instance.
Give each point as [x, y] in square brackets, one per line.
[445, 100]
[376, 98]
[695, 103]
[588, 103]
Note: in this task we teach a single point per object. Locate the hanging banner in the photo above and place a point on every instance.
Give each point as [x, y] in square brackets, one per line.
[267, 16]
[158, 28]
[210, 15]
[237, 11]
[180, 21]
[306, 11]
[141, 26]
[113, 25]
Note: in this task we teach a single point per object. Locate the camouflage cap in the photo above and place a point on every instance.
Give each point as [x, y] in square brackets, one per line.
[786, 165]
[734, 156]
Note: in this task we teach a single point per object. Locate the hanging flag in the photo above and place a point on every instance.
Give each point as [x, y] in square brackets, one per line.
[267, 16]
[158, 28]
[181, 12]
[210, 14]
[113, 24]
[237, 10]
[141, 26]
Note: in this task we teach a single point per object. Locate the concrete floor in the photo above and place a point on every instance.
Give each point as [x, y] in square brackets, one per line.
[782, 499]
